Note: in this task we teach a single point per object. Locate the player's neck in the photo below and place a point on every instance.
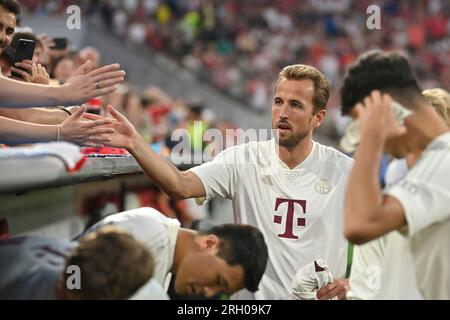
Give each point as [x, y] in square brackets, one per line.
[185, 243]
[292, 157]
[423, 131]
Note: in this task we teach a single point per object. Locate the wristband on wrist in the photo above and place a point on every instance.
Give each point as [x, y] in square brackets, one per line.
[66, 110]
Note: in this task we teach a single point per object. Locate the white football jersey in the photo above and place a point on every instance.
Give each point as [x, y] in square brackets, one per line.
[374, 275]
[396, 170]
[431, 254]
[425, 196]
[380, 273]
[299, 211]
[155, 230]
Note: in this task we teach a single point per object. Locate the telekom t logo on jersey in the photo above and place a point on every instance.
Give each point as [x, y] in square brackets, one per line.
[289, 221]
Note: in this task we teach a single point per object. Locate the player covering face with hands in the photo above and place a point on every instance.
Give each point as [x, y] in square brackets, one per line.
[417, 205]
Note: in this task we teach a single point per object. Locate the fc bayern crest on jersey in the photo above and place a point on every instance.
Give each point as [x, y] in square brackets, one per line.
[323, 186]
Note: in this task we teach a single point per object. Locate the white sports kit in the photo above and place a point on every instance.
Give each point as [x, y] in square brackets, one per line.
[299, 211]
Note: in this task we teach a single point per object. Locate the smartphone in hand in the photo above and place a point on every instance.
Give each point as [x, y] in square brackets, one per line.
[60, 44]
[24, 51]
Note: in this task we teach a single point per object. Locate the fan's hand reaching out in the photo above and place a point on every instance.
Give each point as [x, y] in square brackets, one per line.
[124, 135]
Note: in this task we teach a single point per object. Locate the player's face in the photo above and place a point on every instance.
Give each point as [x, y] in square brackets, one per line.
[292, 111]
[203, 273]
[7, 27]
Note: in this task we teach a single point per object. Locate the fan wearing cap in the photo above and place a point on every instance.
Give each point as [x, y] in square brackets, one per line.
[223, 259]
[420, 199]
[107, 264]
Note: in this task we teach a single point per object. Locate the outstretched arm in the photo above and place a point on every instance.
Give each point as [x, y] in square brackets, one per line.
[37, 115]
[177, 184]
[83, 85]
[73, 129]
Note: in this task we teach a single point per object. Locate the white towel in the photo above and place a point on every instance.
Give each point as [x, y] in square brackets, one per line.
[310, 279]
[69, 153]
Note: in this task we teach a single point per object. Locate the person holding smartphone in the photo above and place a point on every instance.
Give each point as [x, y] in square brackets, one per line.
[26, 63]
[85, 83]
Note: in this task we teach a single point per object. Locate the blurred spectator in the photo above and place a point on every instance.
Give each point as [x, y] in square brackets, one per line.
[91, 54]
[29, 70]
[38, 50]
[62, 68]
[135, 112]
[196, 126]
[238, 46]
[9, 12]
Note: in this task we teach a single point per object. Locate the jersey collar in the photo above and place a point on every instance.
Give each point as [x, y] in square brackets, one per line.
[306, 164]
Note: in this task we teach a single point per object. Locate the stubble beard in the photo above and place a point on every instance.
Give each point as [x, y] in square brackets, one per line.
[293, 139]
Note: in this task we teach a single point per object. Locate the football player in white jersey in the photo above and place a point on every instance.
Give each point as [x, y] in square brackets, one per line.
[366, 279]
[381, 91]
[221, 259]
[95, 268]
[291, 187]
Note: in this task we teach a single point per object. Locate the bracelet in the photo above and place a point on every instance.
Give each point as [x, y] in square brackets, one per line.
[67, 111]
[58, 132]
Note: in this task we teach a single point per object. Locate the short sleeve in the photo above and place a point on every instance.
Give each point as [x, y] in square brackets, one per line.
[218, 176]
[425, 192]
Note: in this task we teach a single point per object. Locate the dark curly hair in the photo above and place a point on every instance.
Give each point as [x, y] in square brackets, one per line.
[389, 72]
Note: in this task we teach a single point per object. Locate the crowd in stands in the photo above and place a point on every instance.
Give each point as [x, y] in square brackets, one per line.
[153, 112]
[240, 46]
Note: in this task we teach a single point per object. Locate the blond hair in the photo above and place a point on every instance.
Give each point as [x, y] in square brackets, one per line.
[321, 84]
[113, 264]
[440, 100]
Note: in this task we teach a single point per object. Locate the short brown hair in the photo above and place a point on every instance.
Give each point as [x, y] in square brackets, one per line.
[113, 264]
[321, 84]
[440, 100]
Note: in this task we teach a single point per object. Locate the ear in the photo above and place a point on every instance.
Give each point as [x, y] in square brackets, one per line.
[210, 243]
[318, 118]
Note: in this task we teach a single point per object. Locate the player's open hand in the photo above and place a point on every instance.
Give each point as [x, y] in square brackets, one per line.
[124, 134]
[88, 133]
